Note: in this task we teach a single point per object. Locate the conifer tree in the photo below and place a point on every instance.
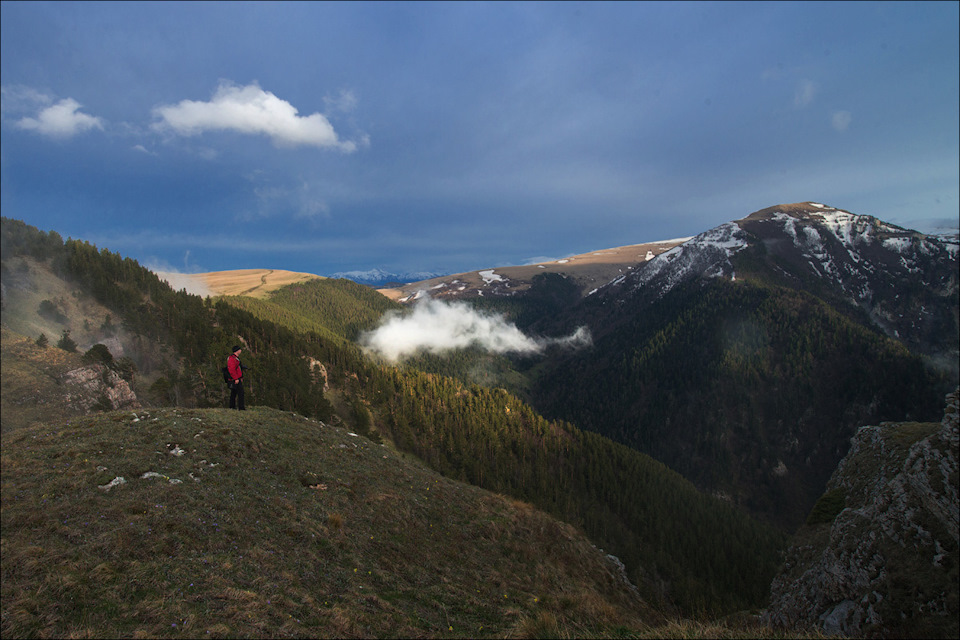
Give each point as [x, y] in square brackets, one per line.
[66, 342]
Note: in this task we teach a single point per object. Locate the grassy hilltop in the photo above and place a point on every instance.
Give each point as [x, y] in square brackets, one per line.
[266, 523]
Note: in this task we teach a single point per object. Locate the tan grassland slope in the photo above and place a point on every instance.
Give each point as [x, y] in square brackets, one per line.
[256, 283]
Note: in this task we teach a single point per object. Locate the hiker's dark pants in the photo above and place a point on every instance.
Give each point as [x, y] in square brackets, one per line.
[236, 396]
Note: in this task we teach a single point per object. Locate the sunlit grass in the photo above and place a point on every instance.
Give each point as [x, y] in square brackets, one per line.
[268, 524]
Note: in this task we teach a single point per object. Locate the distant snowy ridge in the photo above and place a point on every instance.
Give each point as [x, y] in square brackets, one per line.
[379, 276]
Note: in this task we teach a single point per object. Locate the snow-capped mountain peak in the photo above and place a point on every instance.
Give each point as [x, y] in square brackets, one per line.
[896, 275]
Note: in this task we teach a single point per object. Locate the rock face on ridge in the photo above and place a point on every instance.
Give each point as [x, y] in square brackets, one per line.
[95, 386]
[879, 555]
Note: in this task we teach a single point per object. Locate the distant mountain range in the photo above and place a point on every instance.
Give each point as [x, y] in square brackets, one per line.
[379, 277]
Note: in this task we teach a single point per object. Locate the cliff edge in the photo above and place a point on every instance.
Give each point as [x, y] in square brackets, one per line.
[878, 556]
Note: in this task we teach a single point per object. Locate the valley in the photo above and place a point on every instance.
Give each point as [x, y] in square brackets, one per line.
[690, 437]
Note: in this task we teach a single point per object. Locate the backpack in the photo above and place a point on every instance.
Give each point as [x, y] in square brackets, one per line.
[226, 376]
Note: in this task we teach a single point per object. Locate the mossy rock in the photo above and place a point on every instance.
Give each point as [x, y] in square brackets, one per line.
[828, 507]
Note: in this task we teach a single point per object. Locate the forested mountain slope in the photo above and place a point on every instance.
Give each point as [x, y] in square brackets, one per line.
[749, 390]
[747, 357]
[335, 309]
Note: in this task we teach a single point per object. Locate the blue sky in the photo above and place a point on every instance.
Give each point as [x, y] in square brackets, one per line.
[456, 136]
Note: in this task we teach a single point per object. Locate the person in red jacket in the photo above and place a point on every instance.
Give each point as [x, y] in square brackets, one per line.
[236, 373]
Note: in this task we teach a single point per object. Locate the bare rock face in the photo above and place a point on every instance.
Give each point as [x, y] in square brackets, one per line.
[879, 555]
[96, 386]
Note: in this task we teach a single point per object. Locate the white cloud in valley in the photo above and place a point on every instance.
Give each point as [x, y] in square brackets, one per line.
[434, 326]
[250, 110]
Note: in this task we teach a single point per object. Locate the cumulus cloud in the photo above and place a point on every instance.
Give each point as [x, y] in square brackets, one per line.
[841, 120]
[250, 110]
[61, 120]
[435, 327]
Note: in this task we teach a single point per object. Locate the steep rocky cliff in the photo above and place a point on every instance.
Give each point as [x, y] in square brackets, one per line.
[879, 553]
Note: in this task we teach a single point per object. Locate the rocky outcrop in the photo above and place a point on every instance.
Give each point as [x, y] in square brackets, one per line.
[879, 555]
[96, 386]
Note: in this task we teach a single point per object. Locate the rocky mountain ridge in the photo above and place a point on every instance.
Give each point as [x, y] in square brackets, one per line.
[880, 555]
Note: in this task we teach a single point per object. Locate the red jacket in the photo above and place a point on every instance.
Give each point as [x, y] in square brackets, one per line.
[233, 366]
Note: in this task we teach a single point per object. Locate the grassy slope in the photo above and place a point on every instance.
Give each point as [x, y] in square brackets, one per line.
[256, 283]
[29, 377]
[278, 526]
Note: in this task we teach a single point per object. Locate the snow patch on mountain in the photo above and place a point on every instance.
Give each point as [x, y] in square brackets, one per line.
[707, 254]
[860, 237]
[489, 276]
